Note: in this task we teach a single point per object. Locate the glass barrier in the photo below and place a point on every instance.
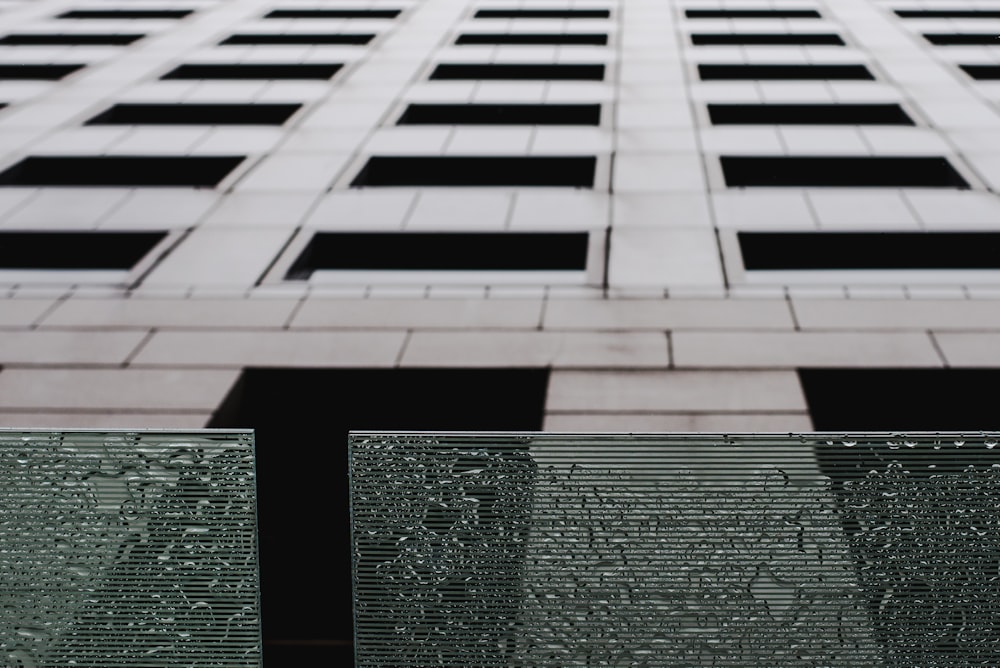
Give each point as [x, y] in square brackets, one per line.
[675, 550]
[128, 549]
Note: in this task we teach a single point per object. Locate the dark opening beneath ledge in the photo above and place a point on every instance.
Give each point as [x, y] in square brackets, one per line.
[751, 14]
[594, 39]
[298, 38]
[808, 114]
[254, 71]
[195, 114]
[332, 14]
[125, 171]
[97, 250]
[37, 72]
[789, 72]
[886, 172]
[777, 39]
[69, 39]
[543, 14]
[501, 114]
[571, 72]
[125, 14]
[574, 171]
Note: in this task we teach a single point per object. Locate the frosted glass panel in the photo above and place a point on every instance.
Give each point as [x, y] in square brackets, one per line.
[128, 549]
[685, 550]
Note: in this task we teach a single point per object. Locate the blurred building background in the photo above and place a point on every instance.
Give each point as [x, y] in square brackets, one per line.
[571, 215]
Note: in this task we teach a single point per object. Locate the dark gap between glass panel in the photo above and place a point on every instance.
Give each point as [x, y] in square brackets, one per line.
[982, 72]
[543, 14]
[125, 14]
[299, 38]
[594, 39]
[67, 39]
[254, 71]
[808, 114]
[306, 591]
[75, 250]
[332, 14]
[776, 39]
[195, 114]
[530, 72]
[751, 14]
[786, 72]
[885, 399]
[894, 172]
[478, 171]
[948, 13]
[501, 114]
[37, 72]
[119, 171]
[870, 250]
[442, 251]
[950, 39]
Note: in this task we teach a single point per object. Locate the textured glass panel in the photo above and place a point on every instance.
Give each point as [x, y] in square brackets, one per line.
[675, 550]
[128, 549]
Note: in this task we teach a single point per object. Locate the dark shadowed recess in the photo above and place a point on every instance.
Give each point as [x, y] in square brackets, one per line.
[870, 250]
[69, 39]
[254, 71]
[97, 250]
[477, 171]
[125, 14]
[594, 39]
[952, 39]
[301, 418]
[808, 114]
[841, 171]
[501, 114]
[789, 72]
[948, 13]
[119, 171]
[776, 39]
[751, 14]
[982, 72]
[37, 72]
[442, 251]
[298, 38]
[543, 14]
[195, 114]
[332, 14]
[528, 72]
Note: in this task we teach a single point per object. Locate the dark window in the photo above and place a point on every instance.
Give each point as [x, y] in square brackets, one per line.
[299, 38]
[37, 72]
[254, 71]
[69, 39]
[751, 14]
[762, 38]
[543, 14]
[501, 114]
[442, 251]
[477, 171]
[301, 418]
[949, 39]
[897, 172]
[332, 14]
[948, 13]
[902, 399]
[870, 250]
[595, 39]
[125, 14]
[711, 72]
[523, 72]
[119, 171]
[195, 114]
[982, 72]
[75, 250]
[808, 114]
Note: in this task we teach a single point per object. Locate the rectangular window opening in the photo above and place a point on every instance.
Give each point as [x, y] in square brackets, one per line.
[948, 13]
[298, 38]
[592, 39]
[808, 114]
[58, 250]
[37, 72]
[982, 72]
[522, 72]
[126, 14]
[543, 14]
[332, 14]
[775, 39]
[784, 72]
[320, 71]
[797, 251]
[573, 171]
[442, 251]
[501, 114]
[195, 114]
[957, 39]
[837, 171]
[751, 14]
[69, 39]
[125, 171]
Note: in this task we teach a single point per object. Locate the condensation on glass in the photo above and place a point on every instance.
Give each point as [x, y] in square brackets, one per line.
[676, 550]
[128, 549]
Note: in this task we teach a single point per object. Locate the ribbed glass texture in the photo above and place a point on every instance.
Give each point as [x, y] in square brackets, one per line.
[128, 549]
[676, 550]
